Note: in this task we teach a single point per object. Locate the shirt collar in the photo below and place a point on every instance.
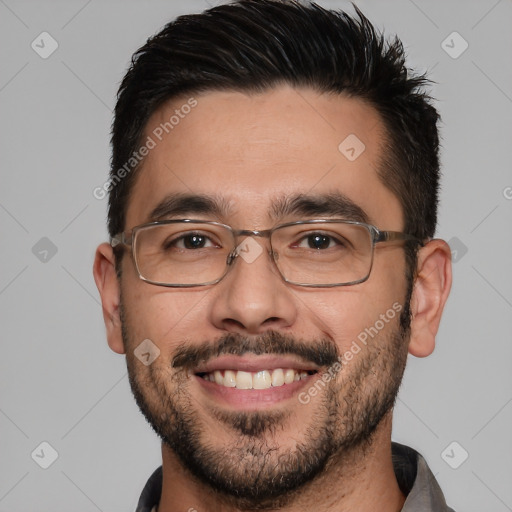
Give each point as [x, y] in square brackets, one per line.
[414, 477]
[417, 482]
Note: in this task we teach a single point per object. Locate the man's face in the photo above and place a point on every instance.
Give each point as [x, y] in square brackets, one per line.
[248, 152]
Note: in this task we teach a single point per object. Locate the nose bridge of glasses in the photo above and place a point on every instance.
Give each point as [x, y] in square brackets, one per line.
[264, 233]
[239, 246]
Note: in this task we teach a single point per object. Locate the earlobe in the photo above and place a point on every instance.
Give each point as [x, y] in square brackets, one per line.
[108, 285]
[431, 290]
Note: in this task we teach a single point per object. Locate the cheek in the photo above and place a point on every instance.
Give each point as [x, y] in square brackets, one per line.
[165, 316]
[352, 313]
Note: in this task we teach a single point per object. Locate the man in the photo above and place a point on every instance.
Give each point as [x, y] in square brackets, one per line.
[273, 200]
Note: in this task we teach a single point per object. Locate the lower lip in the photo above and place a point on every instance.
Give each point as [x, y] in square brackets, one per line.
[254, 398]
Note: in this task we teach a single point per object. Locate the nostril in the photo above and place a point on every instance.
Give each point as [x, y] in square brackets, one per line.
[230, 323]
[272, 320]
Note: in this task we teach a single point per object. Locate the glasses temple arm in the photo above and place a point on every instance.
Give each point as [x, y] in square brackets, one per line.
[119, 239]
[390, 236]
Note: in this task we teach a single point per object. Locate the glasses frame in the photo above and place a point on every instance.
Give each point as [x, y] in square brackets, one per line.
[129, 239]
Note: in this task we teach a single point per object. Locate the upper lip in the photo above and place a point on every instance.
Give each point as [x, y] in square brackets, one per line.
[252, 363]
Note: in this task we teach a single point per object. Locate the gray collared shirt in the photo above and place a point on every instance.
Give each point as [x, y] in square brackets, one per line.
[414, 477]
[417, 482]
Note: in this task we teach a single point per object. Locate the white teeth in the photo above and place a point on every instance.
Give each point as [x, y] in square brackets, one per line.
[263, 379]
[243, 380]
[277, 377]
[289, 376]
[229, 379]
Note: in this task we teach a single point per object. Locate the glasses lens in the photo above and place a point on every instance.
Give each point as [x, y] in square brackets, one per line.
[182, 253]
[323, 253]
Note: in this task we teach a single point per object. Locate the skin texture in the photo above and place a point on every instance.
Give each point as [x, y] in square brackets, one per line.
[249, 150]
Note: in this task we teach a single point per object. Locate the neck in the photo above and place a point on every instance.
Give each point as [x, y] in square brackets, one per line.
[362, 481]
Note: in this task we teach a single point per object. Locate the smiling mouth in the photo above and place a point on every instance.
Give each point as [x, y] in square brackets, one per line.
[263, 379]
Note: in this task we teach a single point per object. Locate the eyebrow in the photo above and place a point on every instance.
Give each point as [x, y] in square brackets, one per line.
[333, 204]
[179, 204]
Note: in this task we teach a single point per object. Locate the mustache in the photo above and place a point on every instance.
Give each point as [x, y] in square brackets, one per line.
[322, 352]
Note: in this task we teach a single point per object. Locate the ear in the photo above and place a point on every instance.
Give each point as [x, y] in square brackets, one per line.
[431, 289]
[108, 285]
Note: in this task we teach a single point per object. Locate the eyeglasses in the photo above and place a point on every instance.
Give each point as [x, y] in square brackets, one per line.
[313, 253]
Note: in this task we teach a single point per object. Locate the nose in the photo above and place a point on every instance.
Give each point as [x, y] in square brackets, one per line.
[252, 297]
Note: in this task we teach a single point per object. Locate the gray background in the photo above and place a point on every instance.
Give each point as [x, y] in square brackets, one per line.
[59, 381]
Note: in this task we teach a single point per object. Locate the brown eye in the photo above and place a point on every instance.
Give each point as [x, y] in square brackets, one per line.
[189, 241]
[194, 241]
[318, 241]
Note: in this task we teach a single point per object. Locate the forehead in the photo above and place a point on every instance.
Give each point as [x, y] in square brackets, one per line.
[249, 152]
